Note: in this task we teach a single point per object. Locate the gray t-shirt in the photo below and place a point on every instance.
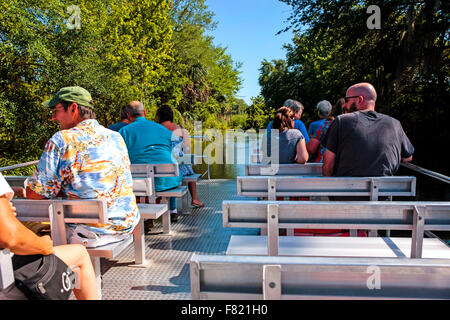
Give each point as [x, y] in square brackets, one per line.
[367, 143]
[287, 145]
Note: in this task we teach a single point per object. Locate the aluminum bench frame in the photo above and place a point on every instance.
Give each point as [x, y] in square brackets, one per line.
[156, 170]
[291, 169]
[273, 215]
[141, 187]
[60, 212]
[6, 269]
[287, 278]
[272, 187]
[303, 186]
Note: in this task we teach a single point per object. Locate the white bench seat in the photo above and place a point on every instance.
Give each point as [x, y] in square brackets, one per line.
[284, 169]
[337, 247]
[151, 210]
[177, 192]
[191, 178]
[111, 250]
[287, 278]
[417, 216]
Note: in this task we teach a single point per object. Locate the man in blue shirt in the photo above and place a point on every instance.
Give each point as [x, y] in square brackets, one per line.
[123, 122]
[298, 108]
[150, 142]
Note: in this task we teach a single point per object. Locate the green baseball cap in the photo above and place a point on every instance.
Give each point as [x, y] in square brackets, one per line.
[78, 95]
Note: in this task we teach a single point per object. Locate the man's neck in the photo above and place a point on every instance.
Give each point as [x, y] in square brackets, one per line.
[368, 107]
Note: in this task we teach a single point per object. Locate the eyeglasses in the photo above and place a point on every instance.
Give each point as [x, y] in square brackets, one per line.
[346, 98]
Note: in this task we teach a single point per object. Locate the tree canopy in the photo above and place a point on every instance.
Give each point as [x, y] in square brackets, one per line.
[407, 60]
[156, 51]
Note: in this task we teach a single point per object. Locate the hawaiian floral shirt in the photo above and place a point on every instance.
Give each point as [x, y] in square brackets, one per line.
[89, 161]
[319, 134]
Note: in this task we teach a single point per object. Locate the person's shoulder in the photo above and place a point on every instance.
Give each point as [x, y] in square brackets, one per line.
[113, 133]
[62, 137]
[294, 133]
[347, 117]
[386, 117]
[114, 126]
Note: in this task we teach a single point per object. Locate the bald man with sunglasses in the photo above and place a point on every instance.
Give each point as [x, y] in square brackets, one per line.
[364, 142]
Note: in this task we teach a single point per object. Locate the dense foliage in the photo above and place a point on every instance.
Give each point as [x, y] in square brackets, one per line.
[156, 51]
[407, 60]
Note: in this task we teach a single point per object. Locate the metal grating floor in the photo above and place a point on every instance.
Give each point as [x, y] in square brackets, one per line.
[167, 278]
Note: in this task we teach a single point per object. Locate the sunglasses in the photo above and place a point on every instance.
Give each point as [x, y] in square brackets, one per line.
[346, 98]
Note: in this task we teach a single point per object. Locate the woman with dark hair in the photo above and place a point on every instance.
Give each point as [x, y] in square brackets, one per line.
[164, 116]
[291, 142]
[313, 145]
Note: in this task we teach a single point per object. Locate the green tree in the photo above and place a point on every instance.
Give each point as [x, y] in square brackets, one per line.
[206, 75]
[258, 114]
[407, 61]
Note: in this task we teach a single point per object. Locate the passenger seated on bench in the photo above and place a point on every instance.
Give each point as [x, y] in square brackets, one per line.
[297, 107]
[86, 161]
[22, 241]
[329, 113]
[149, 142]
[123, 120]
[364, 143]
[291, 142]
[164, 116]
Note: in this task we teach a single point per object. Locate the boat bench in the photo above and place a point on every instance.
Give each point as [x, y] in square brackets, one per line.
[141, 187]
[191, 178]
[155, 170]
[219, 277]
[397, 215]
[271, 187]
[6, 269]
[143, 182]
[285, 169]
[60, 212]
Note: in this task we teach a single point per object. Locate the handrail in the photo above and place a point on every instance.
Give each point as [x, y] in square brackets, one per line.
[20, 165]
[427, 172]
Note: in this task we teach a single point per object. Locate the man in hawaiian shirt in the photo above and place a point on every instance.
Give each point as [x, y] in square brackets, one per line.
[84, 160]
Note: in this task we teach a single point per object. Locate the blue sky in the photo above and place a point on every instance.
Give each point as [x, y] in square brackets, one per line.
[248, 29]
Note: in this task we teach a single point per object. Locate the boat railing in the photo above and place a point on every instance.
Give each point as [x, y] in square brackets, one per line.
[426, 172]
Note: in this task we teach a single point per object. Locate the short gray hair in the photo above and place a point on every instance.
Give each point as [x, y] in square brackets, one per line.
[294, 105]
[135, 109]
[324, 107]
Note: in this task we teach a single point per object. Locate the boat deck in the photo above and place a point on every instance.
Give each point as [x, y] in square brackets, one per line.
[167, 278]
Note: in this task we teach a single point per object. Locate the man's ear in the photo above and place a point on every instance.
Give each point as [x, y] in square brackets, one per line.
[129, 117]
[73, 107]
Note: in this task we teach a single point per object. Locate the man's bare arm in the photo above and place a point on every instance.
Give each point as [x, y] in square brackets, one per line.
[16, 237]
[328, 163]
